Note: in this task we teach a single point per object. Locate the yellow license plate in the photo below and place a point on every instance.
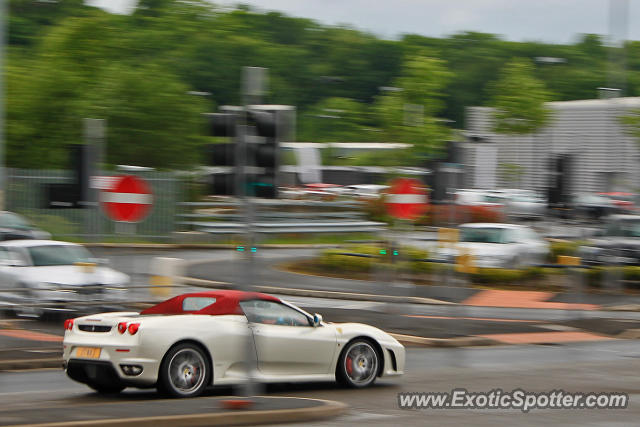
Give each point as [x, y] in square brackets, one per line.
[88, 352]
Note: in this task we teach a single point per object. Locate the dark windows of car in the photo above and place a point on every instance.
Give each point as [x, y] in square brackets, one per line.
[624, 228]
[484, 235]
[197, 303]
[11, 220]
[273, 313]
[48, 255]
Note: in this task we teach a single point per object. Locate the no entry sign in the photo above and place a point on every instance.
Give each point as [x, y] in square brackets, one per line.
[129, 199]
[406, 199]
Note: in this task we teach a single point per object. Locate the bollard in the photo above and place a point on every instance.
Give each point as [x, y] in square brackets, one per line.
[164, 276]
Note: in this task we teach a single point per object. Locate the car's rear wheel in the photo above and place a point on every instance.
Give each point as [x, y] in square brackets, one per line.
[106, 389]
[358, 364]
[184, 372]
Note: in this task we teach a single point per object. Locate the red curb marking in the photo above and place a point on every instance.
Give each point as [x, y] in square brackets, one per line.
[522, 299]
[483, 319]
[545, 337]
[30, 335]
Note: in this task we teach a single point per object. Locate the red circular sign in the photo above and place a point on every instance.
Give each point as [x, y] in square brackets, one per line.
[129, 199]
[406, 198]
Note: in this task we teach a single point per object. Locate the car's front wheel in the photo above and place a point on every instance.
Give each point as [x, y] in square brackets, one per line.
[184, 372]
[359, 364]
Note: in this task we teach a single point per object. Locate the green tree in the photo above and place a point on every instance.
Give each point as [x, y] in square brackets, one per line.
[408, 113]
[518, 99]
[335, 120]
[150, 122]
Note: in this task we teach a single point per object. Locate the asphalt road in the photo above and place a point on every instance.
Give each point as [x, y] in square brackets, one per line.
[592, 367]
[268, 273]
[610, 367]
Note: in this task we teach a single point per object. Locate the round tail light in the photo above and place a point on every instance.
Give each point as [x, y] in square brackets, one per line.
[133, 328]
[122, 327]
[68, 324]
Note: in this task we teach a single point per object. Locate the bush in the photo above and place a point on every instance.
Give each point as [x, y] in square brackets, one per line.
[563, 248]
[333, 260]
[414, 253]
[631, 273]
[417, 267]
[376, 210]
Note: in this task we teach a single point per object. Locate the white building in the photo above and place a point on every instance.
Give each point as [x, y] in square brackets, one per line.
[604, 156]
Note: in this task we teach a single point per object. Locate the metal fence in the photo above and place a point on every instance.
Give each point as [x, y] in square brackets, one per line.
[25, 195]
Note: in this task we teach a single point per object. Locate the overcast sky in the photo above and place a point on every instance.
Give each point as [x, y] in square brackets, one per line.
[558, 21]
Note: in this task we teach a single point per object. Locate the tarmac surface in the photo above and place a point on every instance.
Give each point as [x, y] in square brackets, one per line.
[600, 367]
[204, 411]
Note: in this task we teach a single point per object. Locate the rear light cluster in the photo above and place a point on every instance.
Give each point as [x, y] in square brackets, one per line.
[68, 324]
[132, 328]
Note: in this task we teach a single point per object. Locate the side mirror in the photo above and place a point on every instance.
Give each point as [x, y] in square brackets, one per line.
[317, 320]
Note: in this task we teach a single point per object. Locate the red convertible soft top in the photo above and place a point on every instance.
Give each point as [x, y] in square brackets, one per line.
[227, 302]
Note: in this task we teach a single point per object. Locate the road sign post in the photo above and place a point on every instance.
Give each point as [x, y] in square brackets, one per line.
[406, 200]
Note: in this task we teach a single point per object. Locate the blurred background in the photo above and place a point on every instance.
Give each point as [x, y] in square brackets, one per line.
[153, 147]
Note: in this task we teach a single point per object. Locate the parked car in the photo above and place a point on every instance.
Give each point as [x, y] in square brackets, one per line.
[322, 191]
[473, 197]
[498, 245]
[14, 226]
[519, 203]
[365, 191]
[176, 344]
[48, 275]
[617, 244]
[592, 206]
[625, 202]
[475, 206]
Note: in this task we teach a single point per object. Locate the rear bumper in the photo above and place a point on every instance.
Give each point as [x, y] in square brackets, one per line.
[107, 368]
[103, 373]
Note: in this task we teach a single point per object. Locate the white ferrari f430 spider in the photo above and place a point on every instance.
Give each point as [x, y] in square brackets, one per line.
[195, 340]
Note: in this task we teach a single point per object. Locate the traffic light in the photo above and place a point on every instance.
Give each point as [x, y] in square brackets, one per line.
[222, 154]
[254, 151]
[76, 194]
[262, 154]
[83, 157]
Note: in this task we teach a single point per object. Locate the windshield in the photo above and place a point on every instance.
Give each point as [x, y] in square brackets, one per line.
[527, 198]
[592, 198]
[483, 235]
[624, 228]
[9, 220]
[58, 255]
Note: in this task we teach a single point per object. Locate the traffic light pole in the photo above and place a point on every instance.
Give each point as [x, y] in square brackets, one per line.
[4, 29]
[251, 91]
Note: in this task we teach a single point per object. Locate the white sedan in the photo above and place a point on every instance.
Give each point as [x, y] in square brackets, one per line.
[495, 245]
[48, 275]
[194, 340]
